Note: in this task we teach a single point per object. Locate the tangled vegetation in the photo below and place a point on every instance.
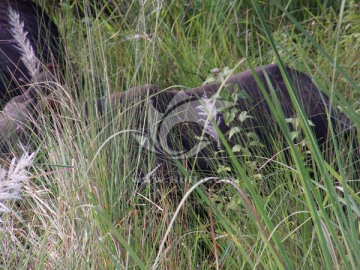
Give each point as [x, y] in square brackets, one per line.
[86, 205]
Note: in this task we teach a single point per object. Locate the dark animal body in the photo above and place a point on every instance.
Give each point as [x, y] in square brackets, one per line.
[315, 105]
[30, 52]
[29, 40]
[29, 25]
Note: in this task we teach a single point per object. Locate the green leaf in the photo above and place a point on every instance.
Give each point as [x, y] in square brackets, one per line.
[236, 148]
[243, 116]
[233, 131]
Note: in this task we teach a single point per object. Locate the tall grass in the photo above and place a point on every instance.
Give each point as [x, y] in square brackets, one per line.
[85, 205]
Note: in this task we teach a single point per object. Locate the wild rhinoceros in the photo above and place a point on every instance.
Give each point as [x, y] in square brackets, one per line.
[184, 123]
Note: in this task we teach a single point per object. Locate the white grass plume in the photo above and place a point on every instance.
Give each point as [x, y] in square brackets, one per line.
[11, 180]
[28, 56]
[208, 113]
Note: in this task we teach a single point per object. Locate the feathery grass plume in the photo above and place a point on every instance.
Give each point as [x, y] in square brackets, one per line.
[24, 46]
[208, 113]
[11, 180]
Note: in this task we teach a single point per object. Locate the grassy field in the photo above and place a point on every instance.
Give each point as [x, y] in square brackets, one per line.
[82, 207]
